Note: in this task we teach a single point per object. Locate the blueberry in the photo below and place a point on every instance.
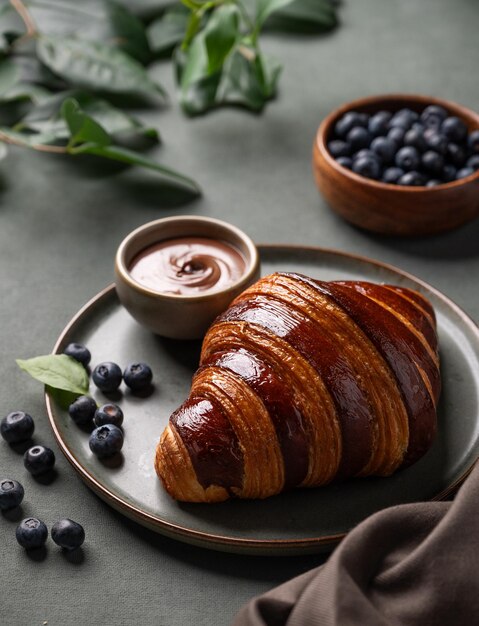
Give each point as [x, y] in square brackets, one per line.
[414, 179]
[107, 376]
[367, 166]
[358, 137]
[82, 410]
[404, 118]
[338, 148]
[465, 171]
[108, 414]
[473, 162]
[407, 158]
[17, 426]
[432, 162]
[365, 153]
[378, 124]
[449, 173]
[433, 182]
[473, 141]
[347, 122]
[31, 533]
[385, 148]
[106, 440]
[433, 116]
[138, 376]
[435, 141]
[419, 127]
[79, 352]
[38, 460]
[392, 174]
[68, 534]
[454, 129]
[415, 139]
[11, 494]
[456, 154]
[397, 135]
[345, 162]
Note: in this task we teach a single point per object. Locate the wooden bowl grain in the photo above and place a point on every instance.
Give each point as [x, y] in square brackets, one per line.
[393, 209]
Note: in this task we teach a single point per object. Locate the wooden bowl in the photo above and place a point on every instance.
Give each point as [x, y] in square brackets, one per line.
[394, 209]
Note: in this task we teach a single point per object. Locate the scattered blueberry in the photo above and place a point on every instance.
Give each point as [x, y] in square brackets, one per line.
[11, 494]
[79, 352]
[107, 376]
[454, 129]
[138, 376]
[108, 414]
[106, 440]
[68, 534]
[38, 460]
[82, 409]
[338, 148]
[433, 146]
[31, 533]
[465, 171]
[17, 426]
[392, 174]
[408, 158]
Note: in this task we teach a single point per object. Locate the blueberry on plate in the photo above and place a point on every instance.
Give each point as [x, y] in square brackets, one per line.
[82, 409]
[391, 175]
[433, 116]
[38, 460]
[345, 162]
[358, 137]
[432, 162]
[367, 166]
[31, 533]
[408, 158]
[68, 534]
[11, 493]
[338, 148]
[378, 124]
[108, 414]
[106, 440]
[107, 376]
[138, 376]
[17, 426]
[473, 141]
[412, 179]
[385, 148]
[454, 129]
[79, 352]
[473, 162]
[465, 171]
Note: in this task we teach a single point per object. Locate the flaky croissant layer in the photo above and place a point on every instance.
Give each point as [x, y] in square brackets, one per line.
[302, 382]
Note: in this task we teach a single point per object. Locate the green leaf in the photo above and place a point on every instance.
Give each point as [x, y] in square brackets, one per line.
[62, 398]
[95, 66]
[3, 151]
[58, 371]
[83, 128]
[221, 34]
[124, 155]
[304, 16]
[129, 32]
[9, 76]
[167, 32]
[265, 8]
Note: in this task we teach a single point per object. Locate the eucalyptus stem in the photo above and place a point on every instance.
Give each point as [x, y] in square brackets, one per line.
[40, 147]
[24, 13]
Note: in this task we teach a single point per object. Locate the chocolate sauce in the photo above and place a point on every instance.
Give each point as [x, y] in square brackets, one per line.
[188, 266]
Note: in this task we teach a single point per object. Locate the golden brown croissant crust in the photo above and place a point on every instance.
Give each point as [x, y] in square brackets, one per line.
[302, 382]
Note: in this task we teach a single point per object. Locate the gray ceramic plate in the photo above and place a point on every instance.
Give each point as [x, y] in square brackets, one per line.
[294, 522]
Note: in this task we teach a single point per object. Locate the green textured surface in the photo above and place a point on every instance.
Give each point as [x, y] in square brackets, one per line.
[59, 229]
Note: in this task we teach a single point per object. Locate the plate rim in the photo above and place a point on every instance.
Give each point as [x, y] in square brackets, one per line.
[218, 541]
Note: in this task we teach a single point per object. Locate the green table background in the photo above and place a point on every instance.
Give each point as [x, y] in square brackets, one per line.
[59, 229]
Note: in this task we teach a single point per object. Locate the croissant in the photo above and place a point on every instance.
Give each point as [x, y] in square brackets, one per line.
[302, 382]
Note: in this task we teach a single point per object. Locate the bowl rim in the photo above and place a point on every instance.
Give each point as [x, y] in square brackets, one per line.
[325, 126]
[251, 259]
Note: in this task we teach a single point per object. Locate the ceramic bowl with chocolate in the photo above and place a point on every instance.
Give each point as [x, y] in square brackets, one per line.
[400, 164]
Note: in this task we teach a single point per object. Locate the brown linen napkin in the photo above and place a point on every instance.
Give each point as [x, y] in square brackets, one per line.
[409, 565]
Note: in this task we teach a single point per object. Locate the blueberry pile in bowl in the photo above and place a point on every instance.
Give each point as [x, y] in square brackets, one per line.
[406, 147]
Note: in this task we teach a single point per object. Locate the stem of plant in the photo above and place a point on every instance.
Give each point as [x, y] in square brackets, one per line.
[24, 13]
[39, 147]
